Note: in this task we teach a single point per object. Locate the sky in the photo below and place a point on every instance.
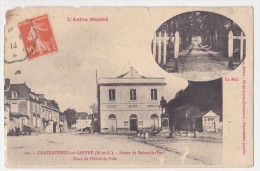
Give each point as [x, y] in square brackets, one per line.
[73, 84]
[69, 75]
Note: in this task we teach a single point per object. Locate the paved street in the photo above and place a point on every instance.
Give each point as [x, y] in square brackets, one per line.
[200, 63]
[89, 150]
[206, 148]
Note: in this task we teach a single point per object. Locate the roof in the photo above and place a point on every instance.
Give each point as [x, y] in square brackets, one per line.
[49, 103]
[52, 104]
[210, 114]
[131, 73]
[132, 77]
[81, 115]
[22, 91]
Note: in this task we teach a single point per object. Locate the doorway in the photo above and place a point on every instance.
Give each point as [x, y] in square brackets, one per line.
[112, 123]
[133, 123]
[155, 122]
[211, 125]
[54, 127]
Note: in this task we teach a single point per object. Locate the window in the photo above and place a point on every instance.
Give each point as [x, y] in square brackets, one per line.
[132, 94]
[14, 107]
[14, 94]
[133, 116]
[153, 94]
[112, 94]
[50, 116]
[112, 116]
[154, 116]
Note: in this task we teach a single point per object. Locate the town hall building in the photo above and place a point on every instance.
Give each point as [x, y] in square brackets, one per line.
[130, 102]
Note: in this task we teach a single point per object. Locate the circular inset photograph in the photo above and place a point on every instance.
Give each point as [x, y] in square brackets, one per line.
[199, 45]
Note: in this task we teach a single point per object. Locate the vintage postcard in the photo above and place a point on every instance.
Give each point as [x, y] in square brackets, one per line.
[95, 87]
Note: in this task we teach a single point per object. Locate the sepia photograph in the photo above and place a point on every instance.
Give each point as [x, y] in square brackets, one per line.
[199, 45]
[86, 88]
[131, 109]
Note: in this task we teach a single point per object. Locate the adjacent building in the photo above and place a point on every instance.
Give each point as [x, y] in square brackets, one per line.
[197, 107]
[211, 122]
[7, 110]
[29, 109]
[50, 115]
[83, 121]
[130, 102]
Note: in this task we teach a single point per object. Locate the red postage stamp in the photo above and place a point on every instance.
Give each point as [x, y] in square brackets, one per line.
[37, 36]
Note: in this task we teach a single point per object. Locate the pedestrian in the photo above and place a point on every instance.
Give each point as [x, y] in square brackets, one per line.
[17, 131]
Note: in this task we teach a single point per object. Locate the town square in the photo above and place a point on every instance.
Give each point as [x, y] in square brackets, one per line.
[156, 131]
[62, 149]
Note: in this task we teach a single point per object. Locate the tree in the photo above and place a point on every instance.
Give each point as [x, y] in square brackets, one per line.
[204, 24]
[205, 96]
[70, 115]
[95, 124]
[94, 109]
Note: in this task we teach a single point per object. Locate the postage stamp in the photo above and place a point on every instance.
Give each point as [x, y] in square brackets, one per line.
[37, 36]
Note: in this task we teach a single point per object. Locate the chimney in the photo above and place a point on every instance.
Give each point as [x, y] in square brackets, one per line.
[41, 96]
[7, 83]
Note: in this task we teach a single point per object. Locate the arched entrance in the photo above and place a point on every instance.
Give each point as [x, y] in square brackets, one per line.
[133, 122]
[154, 122]
[112, 123]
